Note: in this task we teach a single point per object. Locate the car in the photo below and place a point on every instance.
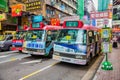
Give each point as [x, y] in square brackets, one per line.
[5, 42]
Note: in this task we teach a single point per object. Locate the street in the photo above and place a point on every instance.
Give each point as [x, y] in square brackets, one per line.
[20, 66]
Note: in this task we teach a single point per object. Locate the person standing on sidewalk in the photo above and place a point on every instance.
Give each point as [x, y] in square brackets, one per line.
[115, 44]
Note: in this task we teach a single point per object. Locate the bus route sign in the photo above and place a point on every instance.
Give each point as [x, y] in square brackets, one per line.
[105, 33]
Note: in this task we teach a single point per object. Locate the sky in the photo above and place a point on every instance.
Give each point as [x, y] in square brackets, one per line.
[96, 3]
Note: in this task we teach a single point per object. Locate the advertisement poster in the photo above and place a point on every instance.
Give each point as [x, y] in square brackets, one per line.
[106, 47]
[105, 33]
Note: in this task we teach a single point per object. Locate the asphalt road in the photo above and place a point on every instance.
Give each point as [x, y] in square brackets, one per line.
[17, 66]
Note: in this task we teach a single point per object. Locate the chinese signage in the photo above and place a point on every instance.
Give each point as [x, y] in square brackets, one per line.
[55, 22]
[3, 5]
[32, 6]
[3, 17]
[17, 10]
[116, 29]
[98, 15]
[69, 18]
[37, 18]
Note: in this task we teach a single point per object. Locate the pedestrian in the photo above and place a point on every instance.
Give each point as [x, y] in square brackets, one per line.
[115, 44]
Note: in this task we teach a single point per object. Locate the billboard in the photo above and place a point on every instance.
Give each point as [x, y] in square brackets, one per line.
[37, 18]
[3, 5]
[32, 5]
[17, 10]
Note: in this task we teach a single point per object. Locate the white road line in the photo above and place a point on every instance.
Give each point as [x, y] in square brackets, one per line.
[33, 61]
[6, 55]
[13, 59]
[8, 52]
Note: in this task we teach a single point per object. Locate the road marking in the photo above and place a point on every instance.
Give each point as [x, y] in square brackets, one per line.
[38, 71]
[33, 61]
[8, 52]
[13, 59]
[90, 73]
[6, 55]
[9, 60]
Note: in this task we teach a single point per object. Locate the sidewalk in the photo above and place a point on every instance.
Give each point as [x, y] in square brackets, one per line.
[114, 74]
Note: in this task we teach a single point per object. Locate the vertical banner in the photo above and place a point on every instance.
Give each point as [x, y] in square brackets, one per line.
[103, 5]
[3, 5]
[80, 8]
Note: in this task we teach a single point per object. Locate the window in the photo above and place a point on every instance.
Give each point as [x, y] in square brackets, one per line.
[72, 36]
[35, 35]
[51, 35]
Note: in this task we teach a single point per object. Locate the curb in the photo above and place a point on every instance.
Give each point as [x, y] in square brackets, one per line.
[95, 76]
[92, 71]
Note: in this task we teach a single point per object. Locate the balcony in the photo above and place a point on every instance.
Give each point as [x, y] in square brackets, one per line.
[69, 4]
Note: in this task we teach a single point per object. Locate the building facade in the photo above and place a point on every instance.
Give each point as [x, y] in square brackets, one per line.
[116, 17]
[51, 8]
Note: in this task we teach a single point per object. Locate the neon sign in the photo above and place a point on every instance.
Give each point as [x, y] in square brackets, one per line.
[17, 10]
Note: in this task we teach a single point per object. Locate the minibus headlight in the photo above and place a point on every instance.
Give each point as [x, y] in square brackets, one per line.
[41, 51]
[79, 57]
[56, 53]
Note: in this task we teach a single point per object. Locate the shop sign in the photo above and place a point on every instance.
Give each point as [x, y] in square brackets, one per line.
[100, 23]
[69, 18]
[17, 10]
[55, 22]
[116, 29]
[116, 22]
[98, 15]
[3, 17]
[32, 6]
[3, 5]
[37, 18]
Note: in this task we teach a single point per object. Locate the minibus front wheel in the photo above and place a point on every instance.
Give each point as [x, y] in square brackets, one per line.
[50, 53]
[89, 59]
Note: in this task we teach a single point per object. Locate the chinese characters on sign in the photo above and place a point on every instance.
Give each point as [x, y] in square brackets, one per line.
[17, 10]
[98, 15]
[55, 22]
[32, 6]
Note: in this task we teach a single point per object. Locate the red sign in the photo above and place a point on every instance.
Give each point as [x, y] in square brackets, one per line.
[116, 29]
[55, 22]
[17, 10]
[98, 15]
